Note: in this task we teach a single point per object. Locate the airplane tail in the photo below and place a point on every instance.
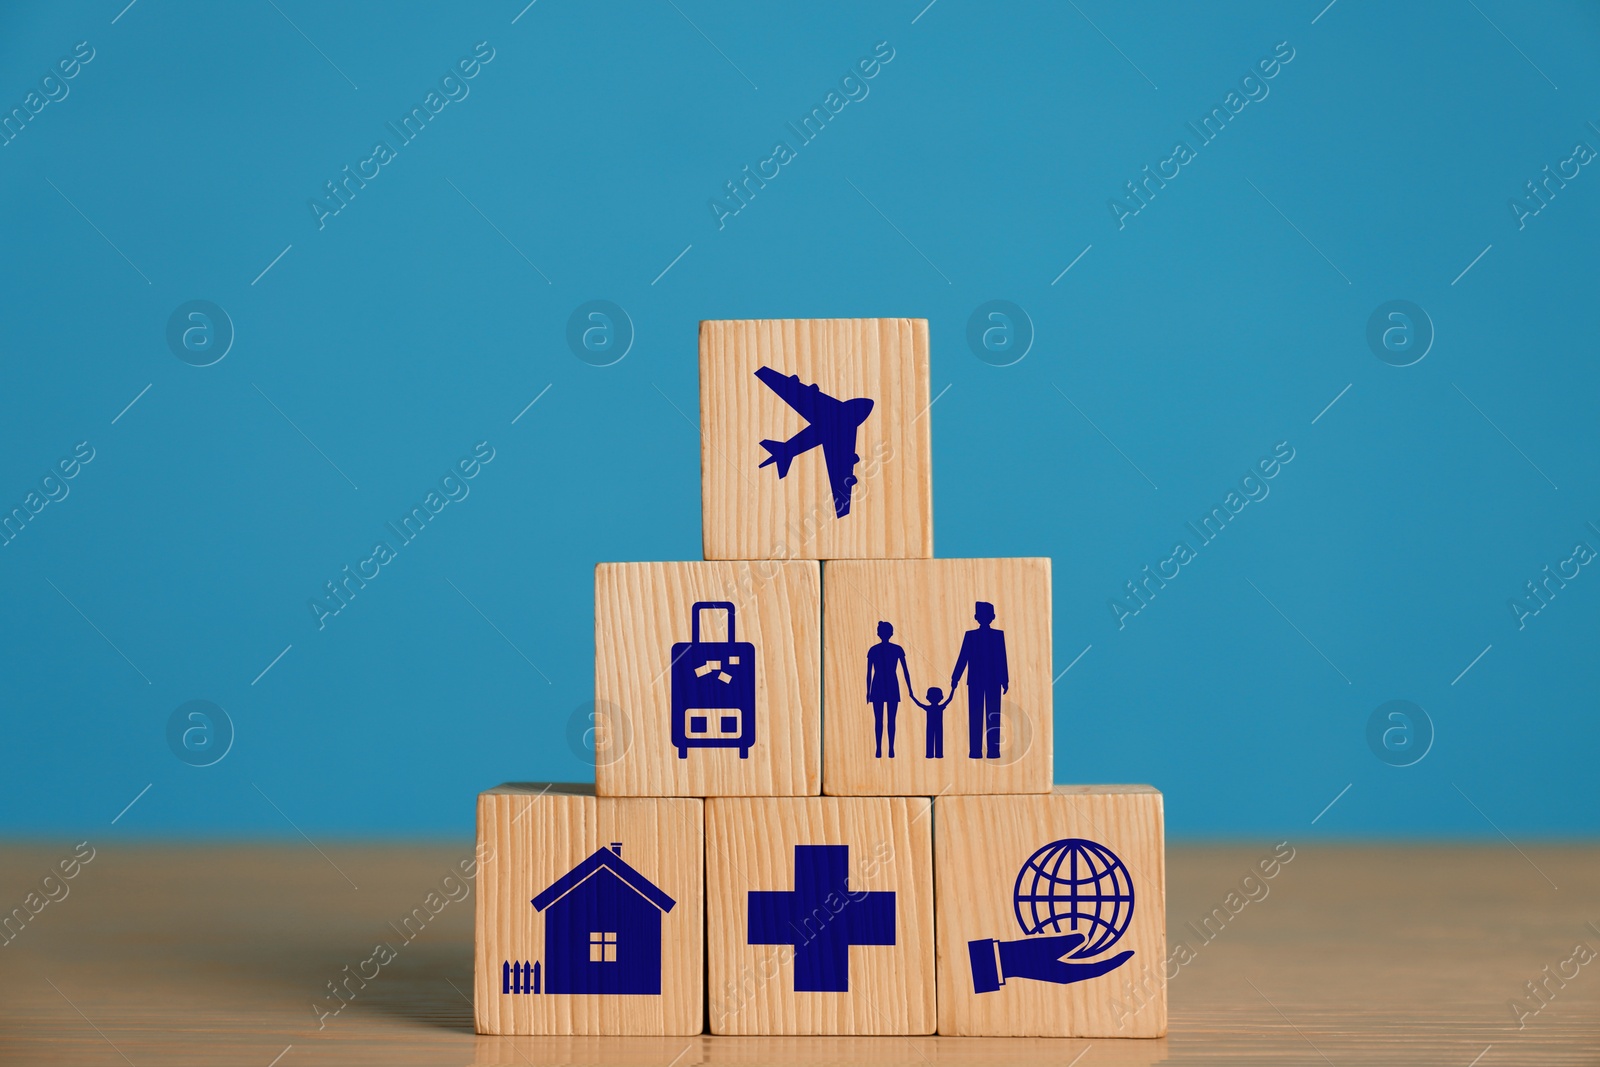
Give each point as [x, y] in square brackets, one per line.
[779, 453]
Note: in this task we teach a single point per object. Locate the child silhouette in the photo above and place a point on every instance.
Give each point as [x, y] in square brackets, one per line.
[935, 706]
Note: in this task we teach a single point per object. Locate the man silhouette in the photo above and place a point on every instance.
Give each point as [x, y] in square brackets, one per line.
[983, 657]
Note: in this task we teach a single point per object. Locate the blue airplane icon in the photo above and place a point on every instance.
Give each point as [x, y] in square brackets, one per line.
[833, 425]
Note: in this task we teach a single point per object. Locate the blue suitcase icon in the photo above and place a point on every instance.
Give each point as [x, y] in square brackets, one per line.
[713, 689]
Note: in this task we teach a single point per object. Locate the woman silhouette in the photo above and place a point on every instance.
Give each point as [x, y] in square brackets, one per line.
[883, 688]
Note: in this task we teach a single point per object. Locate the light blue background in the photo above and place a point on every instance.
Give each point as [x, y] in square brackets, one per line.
[409, 329]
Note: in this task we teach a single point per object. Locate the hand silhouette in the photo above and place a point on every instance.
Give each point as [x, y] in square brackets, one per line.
[1038, 958]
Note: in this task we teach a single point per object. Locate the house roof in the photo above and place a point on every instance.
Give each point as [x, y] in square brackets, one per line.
[609, 860]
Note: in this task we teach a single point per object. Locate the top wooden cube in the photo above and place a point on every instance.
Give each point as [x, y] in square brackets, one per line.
[814, 439]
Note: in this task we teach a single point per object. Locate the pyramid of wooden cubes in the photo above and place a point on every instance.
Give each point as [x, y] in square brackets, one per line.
[823, 801]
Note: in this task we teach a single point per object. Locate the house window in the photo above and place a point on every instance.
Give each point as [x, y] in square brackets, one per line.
[602, 947]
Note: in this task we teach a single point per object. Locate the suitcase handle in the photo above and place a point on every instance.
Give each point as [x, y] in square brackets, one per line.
[703, 604]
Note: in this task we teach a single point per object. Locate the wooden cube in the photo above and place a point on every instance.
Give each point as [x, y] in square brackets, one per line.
[986, 620]
[1052, 913]
[814, 439]
[590, 913]
[710, 676]
[820, 915]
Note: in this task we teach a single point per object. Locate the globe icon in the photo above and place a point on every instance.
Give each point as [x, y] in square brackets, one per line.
[1075, 886]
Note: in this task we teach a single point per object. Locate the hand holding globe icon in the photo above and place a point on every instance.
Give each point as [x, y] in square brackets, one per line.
[1078, 894]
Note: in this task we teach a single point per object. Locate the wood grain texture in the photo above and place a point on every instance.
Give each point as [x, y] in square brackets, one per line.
[748, 512]
[216, 954]
[930, 603]
[750, 845]
[982, 844]
[529, 835]
[641, 610]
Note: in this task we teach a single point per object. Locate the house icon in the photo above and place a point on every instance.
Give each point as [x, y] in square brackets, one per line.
[602, 928]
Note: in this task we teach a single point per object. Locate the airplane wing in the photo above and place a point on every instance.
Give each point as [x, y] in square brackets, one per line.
[839, 453]
[805, 399]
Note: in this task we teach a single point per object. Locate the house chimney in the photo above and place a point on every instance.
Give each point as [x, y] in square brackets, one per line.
[616, 846]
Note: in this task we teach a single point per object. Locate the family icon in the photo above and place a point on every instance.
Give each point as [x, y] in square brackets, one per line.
[983, 662]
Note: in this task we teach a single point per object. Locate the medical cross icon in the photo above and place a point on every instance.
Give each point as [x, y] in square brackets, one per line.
[821, 917]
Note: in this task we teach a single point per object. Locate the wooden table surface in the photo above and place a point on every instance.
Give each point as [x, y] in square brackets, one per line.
[1404, 954]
